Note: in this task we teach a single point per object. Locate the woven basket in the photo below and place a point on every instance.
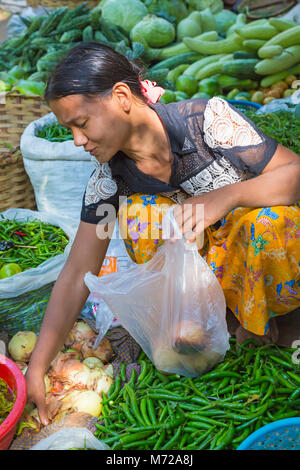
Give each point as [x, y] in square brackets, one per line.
[15, 187]
[256, 9]
[16, 112]
[60, 3]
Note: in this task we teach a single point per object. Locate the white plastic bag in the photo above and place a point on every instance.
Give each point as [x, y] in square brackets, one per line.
[15, 26]
[172, 305]
[71, 438]
[58, 171]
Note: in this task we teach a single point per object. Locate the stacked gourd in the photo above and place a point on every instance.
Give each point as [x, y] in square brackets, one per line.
[246, 58]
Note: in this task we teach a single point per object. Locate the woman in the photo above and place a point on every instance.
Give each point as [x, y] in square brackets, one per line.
[154, 155]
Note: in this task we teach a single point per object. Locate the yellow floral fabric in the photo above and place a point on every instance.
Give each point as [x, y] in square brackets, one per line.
[255, 254]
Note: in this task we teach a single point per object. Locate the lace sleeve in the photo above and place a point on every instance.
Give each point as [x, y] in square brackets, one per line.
[231, 134]
[101, 189]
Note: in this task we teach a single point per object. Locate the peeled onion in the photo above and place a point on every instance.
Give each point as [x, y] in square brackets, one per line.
[85, 401]
[165, 359]
[79, 333]
[99, 382]
[93, 363]
[21, 345]
[103, 351]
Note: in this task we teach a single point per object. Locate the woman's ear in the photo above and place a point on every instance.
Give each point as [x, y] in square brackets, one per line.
[122, 93]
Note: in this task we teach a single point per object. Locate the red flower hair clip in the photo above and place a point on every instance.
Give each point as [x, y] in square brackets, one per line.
[151, 91]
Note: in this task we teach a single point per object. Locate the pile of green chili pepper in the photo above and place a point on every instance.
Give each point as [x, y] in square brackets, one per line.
[250, 388]
[6, 400]
[55, 133]
[280, 125]
[32, 242]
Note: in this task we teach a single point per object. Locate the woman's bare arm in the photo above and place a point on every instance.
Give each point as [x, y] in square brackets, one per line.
[66, 302]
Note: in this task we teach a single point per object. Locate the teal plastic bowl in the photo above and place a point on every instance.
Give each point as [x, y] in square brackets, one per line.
[245, 105]
[283, 434]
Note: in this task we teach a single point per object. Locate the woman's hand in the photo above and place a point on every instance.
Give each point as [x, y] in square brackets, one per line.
[36, 393]
[199, 212]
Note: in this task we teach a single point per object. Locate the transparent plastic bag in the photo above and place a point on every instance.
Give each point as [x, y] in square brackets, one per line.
[71, 438]
[173, 306]
[116, 260]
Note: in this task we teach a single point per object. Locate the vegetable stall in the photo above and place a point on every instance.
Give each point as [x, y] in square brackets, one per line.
[194, 49]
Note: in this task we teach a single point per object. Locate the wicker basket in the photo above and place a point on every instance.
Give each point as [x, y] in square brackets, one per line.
[60, 3]
[15, 187]
[16, 112]
[256, 9]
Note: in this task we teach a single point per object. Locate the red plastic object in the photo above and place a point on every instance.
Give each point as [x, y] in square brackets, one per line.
[15, 379]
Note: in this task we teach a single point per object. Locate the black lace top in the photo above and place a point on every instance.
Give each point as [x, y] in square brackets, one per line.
[213, 144]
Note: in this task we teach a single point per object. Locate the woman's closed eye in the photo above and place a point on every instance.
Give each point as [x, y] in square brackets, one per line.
[81, 126]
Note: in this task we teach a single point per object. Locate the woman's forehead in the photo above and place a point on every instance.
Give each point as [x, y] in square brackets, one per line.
[73, 107]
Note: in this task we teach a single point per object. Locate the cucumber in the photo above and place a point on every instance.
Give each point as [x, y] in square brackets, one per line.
[213, 68]
[287, 38]
[186, 58]
[157, 75]
[228, 83]
[253, 44]
[95, 17]
[244, 55]
[233, 93]
[289, 57]
[240, 21]
[174, 50]
[99, 37]
[79, 22]
[282, 24]
[265, 32]
[243, 95]
[241, 68]
[267, 52]
[175, 73]
[52, 20]
[71, 36]
[199, 64]
[224, 46]
[73, 13]
[88, 34]
[276, 77]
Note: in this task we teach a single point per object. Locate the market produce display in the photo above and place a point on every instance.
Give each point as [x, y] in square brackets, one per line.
[25, 245]
[282, 126]
[192, 48]
[55, 133]
[76, 379]
[250, 388]
[7, 400]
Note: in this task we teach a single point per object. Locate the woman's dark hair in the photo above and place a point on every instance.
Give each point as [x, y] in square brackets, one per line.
[92, 69]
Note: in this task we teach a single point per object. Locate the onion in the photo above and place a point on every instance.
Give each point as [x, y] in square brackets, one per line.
[79, 333]
[85, 401]
[99, 382]
[71, 373]
[109, 370]
[165, 359]
[21, 345]
[103, 351]
[93, 363]
[189, 337]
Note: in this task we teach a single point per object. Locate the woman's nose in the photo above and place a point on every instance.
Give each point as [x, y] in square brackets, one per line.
[79, 138]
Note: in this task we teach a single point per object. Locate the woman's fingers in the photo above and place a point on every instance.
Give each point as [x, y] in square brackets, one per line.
[190, 217]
